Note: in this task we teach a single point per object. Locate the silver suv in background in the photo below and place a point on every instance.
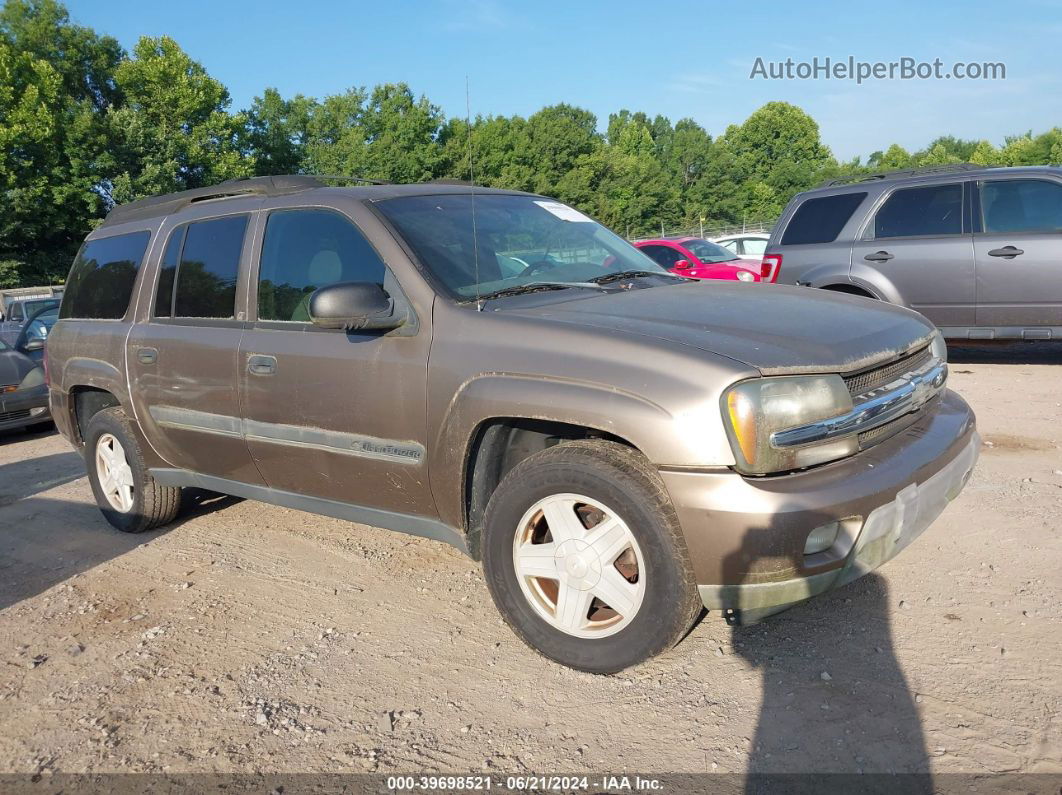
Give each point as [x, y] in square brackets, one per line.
[976, 250]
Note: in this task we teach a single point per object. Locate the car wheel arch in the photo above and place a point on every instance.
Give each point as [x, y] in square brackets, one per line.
[497, 446]
[86, 402]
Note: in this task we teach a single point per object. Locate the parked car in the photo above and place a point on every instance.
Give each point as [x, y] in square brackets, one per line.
[23, 392]
[619, 447]
[34, 334]
[698, 259]
[976, 250]
[747, 245]
[18, 312]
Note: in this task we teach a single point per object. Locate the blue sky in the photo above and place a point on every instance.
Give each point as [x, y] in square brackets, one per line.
[675, 58]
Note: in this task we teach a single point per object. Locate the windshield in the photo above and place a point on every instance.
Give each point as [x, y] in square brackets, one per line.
[518, 240]
[708, 252]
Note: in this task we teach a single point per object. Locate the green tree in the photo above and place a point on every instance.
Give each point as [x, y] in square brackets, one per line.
[557, 137]
[55, 77]
[84, 61]
[278, 132]
[174, 131]
[984, 154]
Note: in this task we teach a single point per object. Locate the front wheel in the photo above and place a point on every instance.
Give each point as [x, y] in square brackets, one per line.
[584, 557]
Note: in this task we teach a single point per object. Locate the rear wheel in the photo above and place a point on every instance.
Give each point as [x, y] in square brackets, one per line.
[128, 496]
[584, 557]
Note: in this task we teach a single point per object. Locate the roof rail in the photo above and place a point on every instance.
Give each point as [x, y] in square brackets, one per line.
[169, 203]
[907, 172]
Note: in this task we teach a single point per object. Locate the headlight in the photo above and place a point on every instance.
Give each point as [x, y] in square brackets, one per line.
[745, 276]
[34, 377]
[754, 409]
[938, 347]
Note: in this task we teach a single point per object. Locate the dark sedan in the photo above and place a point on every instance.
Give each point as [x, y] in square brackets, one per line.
[23, 392]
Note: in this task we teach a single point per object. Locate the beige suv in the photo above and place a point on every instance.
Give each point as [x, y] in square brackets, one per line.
[620, 447]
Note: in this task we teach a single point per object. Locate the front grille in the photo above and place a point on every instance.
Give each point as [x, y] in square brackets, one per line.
[861, 383]
[7, 416]
[883, 432]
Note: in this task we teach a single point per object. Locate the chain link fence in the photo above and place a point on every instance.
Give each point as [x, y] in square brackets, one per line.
[708, 230]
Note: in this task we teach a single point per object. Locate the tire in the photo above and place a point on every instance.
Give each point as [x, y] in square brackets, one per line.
[147, 504]
[606, 486]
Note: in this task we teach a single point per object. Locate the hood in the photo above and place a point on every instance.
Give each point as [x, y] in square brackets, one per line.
[776, 329]
[14, 366]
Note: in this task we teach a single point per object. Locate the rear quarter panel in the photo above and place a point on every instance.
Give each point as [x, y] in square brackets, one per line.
[91, 353]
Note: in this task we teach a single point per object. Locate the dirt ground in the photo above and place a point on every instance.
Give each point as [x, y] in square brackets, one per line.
[249, 638]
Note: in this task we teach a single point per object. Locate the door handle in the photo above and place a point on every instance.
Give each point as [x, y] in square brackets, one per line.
[878, 256]
[147, 355]
[257, 364]
[1007, 252]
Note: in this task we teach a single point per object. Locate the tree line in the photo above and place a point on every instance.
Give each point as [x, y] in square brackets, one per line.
[85, 125]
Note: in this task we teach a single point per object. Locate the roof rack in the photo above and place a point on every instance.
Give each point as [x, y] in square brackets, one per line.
[907, 172]
[169, 203]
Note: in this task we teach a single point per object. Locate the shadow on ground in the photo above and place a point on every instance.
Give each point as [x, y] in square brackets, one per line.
[21, 479]
[44, 541]
[835, 699]
[1005, 352]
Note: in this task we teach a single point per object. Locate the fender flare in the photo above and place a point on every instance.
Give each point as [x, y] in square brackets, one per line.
[500, 396]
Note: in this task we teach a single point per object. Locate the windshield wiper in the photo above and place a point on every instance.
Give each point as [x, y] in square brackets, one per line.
[531, 287]
[615, 277]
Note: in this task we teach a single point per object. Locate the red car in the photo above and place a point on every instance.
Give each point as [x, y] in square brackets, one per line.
[699, 259]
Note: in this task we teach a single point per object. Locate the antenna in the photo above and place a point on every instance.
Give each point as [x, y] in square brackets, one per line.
[472, 191]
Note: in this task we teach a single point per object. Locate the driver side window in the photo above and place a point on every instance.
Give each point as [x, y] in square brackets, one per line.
[304, 250]
[663, 255]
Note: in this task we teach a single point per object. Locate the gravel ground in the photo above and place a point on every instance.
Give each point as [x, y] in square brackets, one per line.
[249, 638]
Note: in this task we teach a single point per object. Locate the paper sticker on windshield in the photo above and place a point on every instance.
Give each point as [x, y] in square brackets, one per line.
[564, 212]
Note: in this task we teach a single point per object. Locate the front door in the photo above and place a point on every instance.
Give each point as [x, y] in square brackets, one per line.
[1019, 253]
[918, 242]
[332, 414]
[183, 360]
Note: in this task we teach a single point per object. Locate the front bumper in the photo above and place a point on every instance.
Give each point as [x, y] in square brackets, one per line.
[24, 407]
[746, 536]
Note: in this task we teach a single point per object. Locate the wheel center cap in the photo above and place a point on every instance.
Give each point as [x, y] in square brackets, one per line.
[578, 564]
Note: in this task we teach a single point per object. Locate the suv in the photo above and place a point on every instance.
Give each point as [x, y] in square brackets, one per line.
[976, 250]
[618, 445]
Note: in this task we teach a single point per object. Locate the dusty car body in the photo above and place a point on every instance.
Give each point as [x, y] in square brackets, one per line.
[596, 443]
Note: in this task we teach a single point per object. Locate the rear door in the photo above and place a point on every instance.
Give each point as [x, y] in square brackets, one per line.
[919, 242]
[1018, 251]
[328, 413]
[183, 358]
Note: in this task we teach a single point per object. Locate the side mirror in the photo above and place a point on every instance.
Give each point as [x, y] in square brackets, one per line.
[353, 306]
[34, 344]
[682, 264]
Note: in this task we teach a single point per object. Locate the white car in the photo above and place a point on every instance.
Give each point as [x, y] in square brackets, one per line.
[747, 245]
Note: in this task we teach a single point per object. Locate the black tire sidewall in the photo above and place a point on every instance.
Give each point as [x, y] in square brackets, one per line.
[661, 618]
[111, 421]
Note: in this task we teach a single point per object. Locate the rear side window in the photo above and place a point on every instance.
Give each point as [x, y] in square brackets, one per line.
[101, 280]
[917, 212]
[205, 283]
[167, 273]
[820, 220]
[754, 246]
[1026, 205]
[307, 249]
